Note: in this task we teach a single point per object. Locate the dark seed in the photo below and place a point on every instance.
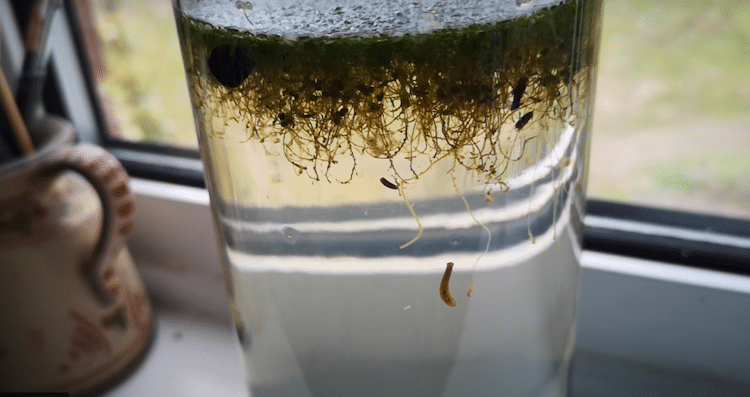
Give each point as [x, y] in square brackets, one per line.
[367, 90]
[231, 65]
[388, 184]
[525, 119]
[518, 92]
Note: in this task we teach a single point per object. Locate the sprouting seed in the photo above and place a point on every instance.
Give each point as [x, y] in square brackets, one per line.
[388, 184]
[231, 65]
[445, 294]
[518, 93]
[244, 6]
[524, 119]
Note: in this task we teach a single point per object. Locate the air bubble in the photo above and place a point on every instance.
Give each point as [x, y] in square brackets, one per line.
[290, 235]
[302, 17]
[428, 23]
[244, 5]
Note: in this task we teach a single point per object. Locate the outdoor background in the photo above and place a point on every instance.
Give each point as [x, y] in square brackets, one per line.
[672, 118]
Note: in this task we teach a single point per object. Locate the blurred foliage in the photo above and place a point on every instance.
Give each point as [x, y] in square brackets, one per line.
[672, 119]
[144, 83]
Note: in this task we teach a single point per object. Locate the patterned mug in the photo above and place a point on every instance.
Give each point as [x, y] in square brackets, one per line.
[74, 316]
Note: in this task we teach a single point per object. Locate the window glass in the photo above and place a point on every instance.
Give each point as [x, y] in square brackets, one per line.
[136, 61]
[672, 119]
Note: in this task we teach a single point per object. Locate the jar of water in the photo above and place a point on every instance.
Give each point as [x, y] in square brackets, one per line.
[398, 187]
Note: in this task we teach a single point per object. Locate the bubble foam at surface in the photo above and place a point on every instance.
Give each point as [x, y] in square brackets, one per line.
[356, 18]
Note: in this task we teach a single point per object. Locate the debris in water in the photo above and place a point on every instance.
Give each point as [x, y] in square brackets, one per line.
[445, 294]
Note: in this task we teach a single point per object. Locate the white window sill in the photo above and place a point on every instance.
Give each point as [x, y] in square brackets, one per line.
[645, 328]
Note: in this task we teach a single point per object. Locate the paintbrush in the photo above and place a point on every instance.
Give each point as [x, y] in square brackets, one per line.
[34, 72]
[17, 126]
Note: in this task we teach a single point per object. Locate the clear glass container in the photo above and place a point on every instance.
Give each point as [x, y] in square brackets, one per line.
[398, 187]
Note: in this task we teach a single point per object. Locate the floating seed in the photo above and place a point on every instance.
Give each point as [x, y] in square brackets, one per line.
[231, 65]
[388, 184]
[518, 92]
[525, 119]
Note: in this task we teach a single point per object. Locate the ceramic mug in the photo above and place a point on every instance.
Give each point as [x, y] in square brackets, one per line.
[74, 313]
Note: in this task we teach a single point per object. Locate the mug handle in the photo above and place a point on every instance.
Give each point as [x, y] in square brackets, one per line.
[110, 181]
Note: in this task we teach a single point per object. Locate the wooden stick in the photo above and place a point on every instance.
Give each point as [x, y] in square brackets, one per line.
[14, 117]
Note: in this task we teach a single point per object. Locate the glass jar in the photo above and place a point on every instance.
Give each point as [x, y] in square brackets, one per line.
[398, 188]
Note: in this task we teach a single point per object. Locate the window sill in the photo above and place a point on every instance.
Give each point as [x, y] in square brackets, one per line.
[645, 328]
[197, 355]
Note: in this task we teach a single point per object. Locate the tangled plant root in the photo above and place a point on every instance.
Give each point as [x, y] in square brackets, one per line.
[468, 94]
[473, 96]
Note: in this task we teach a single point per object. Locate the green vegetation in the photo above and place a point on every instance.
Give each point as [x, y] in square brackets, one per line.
[708, 173]
[446, 94]
[673, 86]
[144, 79]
